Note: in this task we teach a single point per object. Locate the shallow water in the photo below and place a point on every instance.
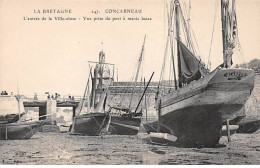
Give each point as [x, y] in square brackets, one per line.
[58, 148]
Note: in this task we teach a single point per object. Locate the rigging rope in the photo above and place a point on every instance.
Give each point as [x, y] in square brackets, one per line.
[170, 75]
[241, 51]
[192, 47]
[164, 59]
[128, 85]
[216, 6]
[193, 35]
[188, 18]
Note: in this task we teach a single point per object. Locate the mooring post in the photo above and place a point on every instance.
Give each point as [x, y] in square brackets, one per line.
[6, 132]
[228, 131]
[159, 117]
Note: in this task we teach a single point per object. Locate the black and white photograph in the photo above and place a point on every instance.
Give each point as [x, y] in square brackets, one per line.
[129, 82]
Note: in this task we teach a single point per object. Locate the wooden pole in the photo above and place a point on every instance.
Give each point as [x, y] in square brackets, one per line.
[177, 29]
[18, 99]
[6, 132]
[137, 73]
[223, 31]
[94, 89]
[145, 104]
[117, 75]
[86, 90]
[113, 72]
[144, 92]
[159, 116]
[228, 131]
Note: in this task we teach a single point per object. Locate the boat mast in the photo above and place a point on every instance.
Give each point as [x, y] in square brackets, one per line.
[144, 92]
[88, 93]
[86, 90]
[229, 31]
[18, 99]
[177, 23]
[101, 64]
[170, 32]
[116, 74]
[145, 104]
[94, 82]
[223, 32]
[137, 73]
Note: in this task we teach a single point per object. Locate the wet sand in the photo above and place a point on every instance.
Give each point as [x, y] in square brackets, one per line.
[57, 148]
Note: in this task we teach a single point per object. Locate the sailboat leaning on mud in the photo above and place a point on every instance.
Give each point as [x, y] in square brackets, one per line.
[11, 125]
[202, 101]
[125, 120]
[94, 119]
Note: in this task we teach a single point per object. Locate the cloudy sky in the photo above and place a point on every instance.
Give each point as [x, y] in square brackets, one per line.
[44, 55]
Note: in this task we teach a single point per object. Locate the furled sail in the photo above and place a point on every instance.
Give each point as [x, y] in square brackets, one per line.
[230, 30]
[191, 67]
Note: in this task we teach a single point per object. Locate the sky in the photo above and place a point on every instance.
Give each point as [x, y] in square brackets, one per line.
[52, 56]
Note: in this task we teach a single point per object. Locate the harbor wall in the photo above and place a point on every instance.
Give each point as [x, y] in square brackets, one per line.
[10, 105]
[120, 95]
[123, 100]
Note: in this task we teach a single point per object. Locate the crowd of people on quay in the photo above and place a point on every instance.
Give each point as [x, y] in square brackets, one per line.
[4, 93]
[56, 96]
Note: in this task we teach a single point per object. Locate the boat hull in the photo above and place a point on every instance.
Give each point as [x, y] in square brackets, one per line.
[16, 131]
[11, 118]
[90, 124]
[196, 112]
[121, 125]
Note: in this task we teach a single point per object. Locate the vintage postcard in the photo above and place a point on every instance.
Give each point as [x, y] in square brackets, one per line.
[129, 82]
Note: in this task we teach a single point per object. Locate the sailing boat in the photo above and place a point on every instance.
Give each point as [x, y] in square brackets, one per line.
[19, 130]
[124, 121]
[11, 126]
[202, 101]
[95, 118]
[11, 108]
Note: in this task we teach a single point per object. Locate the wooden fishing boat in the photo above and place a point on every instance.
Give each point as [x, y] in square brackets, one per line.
[19, 130]
[91, 124]
[94, 119]
[11, 108]
[125, 124]
[127, 120]
[11, 126]
[202, 100]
